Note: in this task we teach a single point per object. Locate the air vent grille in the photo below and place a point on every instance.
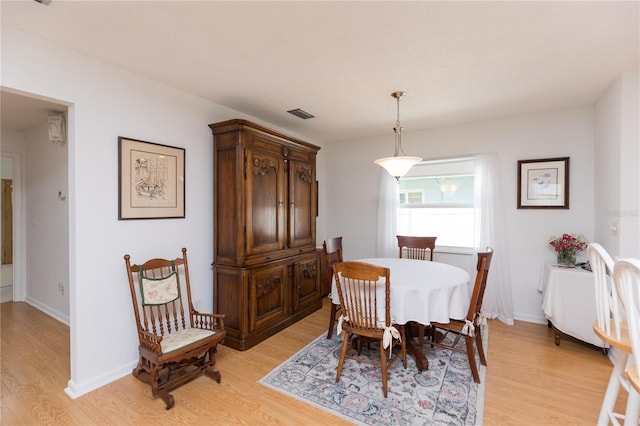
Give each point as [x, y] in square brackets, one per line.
[298, 112]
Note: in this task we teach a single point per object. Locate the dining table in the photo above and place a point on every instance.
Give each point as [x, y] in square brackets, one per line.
[422, 292]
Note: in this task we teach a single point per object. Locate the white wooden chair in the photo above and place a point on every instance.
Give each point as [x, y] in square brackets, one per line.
[611, 327]
[626, 274]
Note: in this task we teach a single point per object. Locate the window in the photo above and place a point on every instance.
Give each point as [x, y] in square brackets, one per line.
[436, 199]
[411, 196]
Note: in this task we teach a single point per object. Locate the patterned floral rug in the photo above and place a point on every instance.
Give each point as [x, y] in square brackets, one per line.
[443, 394]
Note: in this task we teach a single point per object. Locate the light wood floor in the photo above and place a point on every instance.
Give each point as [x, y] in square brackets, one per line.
[529, 380]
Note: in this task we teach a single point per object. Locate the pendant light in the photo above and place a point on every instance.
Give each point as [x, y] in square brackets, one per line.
[398, 165]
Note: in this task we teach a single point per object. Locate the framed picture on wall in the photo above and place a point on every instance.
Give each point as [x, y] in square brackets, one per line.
[151, 180]
[543, 183]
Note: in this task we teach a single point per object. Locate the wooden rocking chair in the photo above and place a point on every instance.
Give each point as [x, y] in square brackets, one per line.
[177, 343]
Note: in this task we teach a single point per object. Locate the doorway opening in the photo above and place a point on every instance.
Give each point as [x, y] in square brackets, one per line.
[26, 250]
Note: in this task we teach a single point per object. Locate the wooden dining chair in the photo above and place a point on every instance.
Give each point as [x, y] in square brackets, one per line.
[626, 276]
[611, 326]
[176, 342]
[364, 291]
[470, 327]
[332, 254]
[416, 247]
[420, 248]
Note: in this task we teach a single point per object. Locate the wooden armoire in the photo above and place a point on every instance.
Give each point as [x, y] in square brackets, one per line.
[266, 271]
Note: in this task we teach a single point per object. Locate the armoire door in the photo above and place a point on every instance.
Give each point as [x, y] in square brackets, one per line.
[265, 201]
[268, 296]
[306, 282]
[302, 204]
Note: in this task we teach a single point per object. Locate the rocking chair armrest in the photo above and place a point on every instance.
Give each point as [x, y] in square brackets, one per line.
[150, 341]
[208, 321]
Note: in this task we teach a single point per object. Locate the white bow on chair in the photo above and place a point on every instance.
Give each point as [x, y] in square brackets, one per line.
[481, 319]
[388, 335]
[340, 319]
[469, 328]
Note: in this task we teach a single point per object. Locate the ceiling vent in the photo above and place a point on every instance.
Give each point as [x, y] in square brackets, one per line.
[301, 113]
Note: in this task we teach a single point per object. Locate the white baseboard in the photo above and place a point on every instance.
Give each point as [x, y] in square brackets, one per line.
[48, 310]
[75, 390]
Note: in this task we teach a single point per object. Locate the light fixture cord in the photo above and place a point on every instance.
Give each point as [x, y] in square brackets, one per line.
[398, 130]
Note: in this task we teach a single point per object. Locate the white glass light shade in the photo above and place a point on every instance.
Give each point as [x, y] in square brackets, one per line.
[398, 166]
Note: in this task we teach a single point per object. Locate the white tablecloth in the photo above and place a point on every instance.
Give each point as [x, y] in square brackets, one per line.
[423, 291]
[569, 301]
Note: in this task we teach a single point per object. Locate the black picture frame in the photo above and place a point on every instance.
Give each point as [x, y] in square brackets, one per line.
[543, 183]
[151, 181]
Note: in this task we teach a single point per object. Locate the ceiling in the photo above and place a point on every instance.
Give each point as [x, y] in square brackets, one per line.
[21, 113]
[458, 62]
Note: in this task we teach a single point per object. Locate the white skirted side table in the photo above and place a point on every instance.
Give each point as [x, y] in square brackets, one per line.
[569, 302]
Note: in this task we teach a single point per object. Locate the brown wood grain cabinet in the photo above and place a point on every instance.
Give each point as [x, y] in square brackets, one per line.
[266, 268]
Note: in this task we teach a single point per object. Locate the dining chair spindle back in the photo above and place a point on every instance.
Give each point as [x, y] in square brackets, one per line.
[416, 247]
[361, 286]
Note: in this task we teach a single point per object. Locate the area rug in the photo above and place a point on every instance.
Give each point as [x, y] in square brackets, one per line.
[443, 394]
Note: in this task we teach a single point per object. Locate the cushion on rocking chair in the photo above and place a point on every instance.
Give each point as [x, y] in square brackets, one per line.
[182, 338]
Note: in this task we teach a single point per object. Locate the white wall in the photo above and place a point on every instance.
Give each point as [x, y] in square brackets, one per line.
[630, 166]
[616, 167]
[47, 223]
[353, 181]
[606, 167]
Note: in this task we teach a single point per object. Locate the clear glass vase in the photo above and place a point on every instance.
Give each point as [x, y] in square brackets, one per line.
[566, 258]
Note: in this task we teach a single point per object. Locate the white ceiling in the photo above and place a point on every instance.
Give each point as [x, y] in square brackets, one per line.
[458, 61]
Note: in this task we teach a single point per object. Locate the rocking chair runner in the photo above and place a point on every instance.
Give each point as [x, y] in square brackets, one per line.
[176, 343]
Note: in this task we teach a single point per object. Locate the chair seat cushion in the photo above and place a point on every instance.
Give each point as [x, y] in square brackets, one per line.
[182, 338]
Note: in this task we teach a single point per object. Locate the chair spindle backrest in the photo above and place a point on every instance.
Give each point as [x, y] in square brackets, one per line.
[606, 292]
[332, 249]
[626, 275]
[158, 304]
[360, 287]
[416, 247]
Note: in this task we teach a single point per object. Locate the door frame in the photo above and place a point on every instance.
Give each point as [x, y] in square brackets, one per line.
[19, 243]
